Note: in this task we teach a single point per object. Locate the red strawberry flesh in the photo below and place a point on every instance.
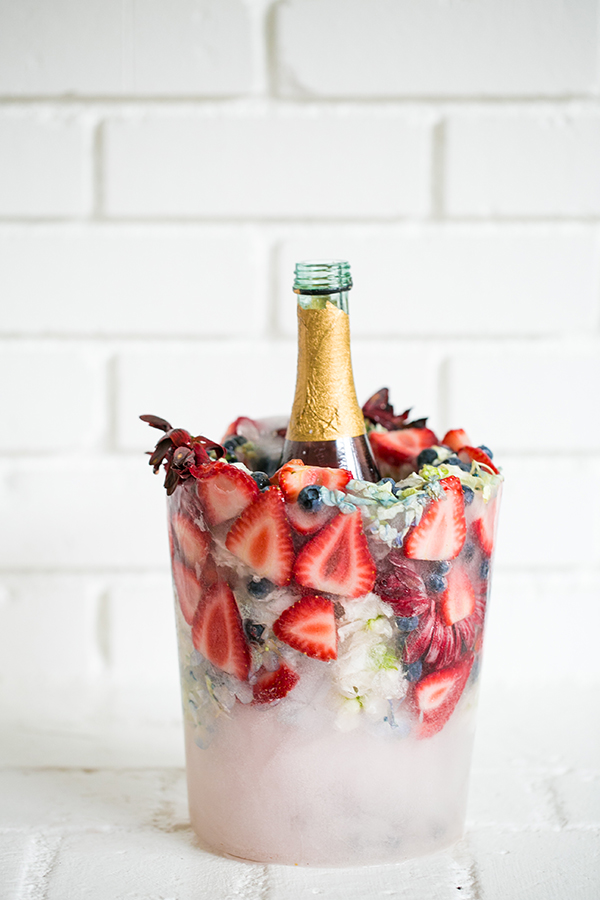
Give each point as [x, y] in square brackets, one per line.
[440, 534]
[436, 696]
[189, 590]
[272, 686]
[261, 538]
[458, 600]
[456, 439]
[467, 454]
[337, 560]
[306, 521]
[485, 527]
[294, 476]
[191, 541]
[396, 447]
[224, 491]
[218, 633]
[309, 626]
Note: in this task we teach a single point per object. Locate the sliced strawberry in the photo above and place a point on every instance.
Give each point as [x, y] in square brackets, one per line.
[249, 428]
[261, 538]
[188, 588]
[441, 532]
[337, 559]
[218, 633]
[458, 600]
[274, 685]
[396, 447]
[294, 476]
[224, 491]
[309, 626]
[456, 439]
[436, 695]
[485, 527]
[191, 542]
[467, 454]
[306, 521]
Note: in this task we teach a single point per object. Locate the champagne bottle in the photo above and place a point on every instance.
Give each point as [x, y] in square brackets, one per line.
[327, 427]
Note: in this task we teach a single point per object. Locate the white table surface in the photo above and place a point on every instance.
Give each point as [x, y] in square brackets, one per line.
[93, 807]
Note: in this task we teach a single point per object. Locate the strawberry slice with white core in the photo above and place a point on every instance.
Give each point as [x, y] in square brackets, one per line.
[270, 686]
[441, 532]
[467, 454]
[485, 527]
[456, 439]
[218, 633]
[458, 600]
[397, 447]
[309, 626]
[261, 538]
[294, 476]
[224, 491]
[188, 588]
[191, 541]
[337, 559]
[436, 696]
[306, 521]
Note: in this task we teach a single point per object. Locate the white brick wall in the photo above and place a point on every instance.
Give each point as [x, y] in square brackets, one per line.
[159, 176]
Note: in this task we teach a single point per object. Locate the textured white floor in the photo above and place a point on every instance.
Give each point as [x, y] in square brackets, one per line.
[93, 807]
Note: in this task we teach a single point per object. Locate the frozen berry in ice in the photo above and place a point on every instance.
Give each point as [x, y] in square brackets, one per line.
[435, 583]
[414, 671]
[260, 589]
[455, 461]
[309, 499]
[262, 480]
[427, 457]
[468, 494]
[407, 623]
[254, 631]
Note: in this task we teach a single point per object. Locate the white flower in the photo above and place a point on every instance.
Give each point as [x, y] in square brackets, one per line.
[367, 672]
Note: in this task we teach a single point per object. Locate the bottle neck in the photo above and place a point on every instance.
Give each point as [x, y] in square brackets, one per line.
[325, 405]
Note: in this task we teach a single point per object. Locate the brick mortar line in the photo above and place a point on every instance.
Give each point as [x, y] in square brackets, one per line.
[299, 222]
[447, 343]
[280, 98]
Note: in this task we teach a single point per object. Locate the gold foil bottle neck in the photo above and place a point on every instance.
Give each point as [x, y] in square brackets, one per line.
[325, 405]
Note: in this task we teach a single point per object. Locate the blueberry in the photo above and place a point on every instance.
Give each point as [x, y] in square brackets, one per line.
[486, 450]
[229, 445]
[484, 571]
[442, 567]
[260, 589]
[234, 441]
[254, 631]
[309, 498]
[468, 552]
[407, 623]
[426, 457]
[389, 481]
[455, 461]
[468, 494]
[262, 480]
[435, 583]
[414, 671]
